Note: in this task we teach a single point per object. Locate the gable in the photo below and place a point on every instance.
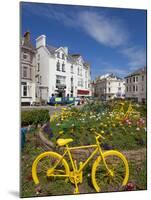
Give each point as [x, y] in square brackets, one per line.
[61, 50]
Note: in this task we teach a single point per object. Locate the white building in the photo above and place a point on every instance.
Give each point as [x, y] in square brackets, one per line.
[109, 86]
[27, 64]
[136, 85]
[59, 73]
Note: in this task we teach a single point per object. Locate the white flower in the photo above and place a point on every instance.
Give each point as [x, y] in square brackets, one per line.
[138, 129]
[58, 124]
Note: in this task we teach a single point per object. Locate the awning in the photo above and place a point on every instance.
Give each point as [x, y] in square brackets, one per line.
[85, 92]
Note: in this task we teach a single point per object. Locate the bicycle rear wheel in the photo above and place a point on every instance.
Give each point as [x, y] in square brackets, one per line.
[102, 180]
[43, 168]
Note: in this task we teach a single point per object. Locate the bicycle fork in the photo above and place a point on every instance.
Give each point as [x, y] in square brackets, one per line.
[104, 161]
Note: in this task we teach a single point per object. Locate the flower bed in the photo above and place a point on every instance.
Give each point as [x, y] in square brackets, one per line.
[120, 131]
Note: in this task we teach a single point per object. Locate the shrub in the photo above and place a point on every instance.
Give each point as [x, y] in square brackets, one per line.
[34, 117]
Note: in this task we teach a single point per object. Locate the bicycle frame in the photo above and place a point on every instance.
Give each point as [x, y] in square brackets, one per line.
[74, 167]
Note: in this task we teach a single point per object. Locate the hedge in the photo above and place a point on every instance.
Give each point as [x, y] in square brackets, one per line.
[34, 117]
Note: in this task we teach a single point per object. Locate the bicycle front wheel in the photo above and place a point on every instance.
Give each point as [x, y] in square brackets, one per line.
[44, 167]
[116, 179]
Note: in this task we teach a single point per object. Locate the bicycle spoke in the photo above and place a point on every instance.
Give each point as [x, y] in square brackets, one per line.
[107, 181]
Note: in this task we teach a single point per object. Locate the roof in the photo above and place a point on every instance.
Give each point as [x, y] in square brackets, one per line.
[51, 49]
[71, 57]
[106, 76]
[137, 72]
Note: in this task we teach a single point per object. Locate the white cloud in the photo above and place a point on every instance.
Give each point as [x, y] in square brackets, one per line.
[136, 56]
[103, 29]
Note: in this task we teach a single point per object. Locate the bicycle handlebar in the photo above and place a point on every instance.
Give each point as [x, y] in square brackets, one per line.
[99, 135]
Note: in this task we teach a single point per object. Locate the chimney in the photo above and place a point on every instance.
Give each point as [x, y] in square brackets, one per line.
[27, 36]
[41, 41]
[66, 50]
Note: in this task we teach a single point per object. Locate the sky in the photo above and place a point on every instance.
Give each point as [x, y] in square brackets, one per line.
[112, 40]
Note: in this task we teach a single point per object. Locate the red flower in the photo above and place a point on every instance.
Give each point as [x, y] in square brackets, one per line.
[129, 186]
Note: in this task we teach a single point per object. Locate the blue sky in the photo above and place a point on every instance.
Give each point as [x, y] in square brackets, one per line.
[112, 40]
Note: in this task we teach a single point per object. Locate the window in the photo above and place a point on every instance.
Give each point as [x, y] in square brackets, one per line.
[24, 72]
[130, 80]
[142, 78]
[142, 88]
[38, 67]
[30, 73]
[60, 80]
[119, 88]
[38, 56]
[134, 79]
[63, 67]
[24, 56]
[130, 88]
[109, 83]
[109, 89]
[78, 71]
[71, 68]
[24, 86]
[58, 66]
[136, 88]
[86, 74]
[133, 88]
[80, 82]
[63, 57]
[127, 80]
[25, 90]
[86, 84]
[37, 79]
[58, 54]
[40, 79]
[127, 89]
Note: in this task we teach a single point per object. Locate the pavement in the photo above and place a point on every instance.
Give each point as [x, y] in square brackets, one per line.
[51, 109]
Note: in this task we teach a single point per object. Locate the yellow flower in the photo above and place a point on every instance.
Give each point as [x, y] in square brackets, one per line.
[61, 132]
[113, 125]
[102, 132]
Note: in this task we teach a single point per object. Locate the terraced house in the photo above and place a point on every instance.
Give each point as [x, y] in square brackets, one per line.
[109, 86]
[136, 85]
[60, 73]
[27, 64]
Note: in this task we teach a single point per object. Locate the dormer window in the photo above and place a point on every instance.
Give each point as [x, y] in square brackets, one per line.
[58, 66]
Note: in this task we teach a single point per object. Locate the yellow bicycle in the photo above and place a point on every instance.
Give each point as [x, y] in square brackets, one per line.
[110, 170]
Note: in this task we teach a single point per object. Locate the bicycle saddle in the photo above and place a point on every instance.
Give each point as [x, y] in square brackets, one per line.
[62, 142]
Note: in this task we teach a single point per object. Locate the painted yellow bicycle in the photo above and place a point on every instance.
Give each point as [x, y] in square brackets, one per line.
[110, 170]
